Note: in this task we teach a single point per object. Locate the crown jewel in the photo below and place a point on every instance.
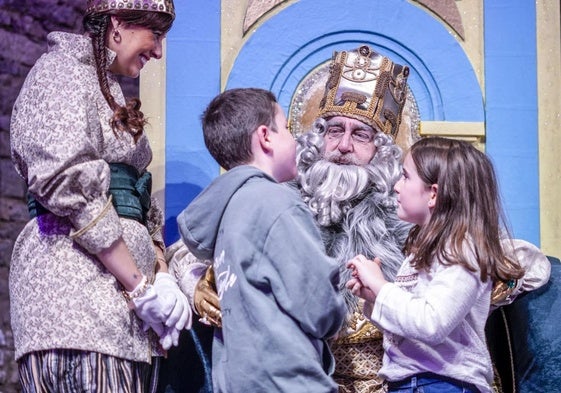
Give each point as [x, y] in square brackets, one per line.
[96, 6]
[366, 86]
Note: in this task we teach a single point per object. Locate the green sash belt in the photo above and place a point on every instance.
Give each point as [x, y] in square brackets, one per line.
[130, 190]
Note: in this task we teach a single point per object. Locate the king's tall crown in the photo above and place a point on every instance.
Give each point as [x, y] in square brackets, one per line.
[366, 86]
[95, 6]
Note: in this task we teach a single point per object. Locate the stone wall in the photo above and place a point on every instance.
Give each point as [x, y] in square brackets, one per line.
[24, 25]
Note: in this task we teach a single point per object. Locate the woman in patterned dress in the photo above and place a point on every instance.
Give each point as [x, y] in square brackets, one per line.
[89, 288]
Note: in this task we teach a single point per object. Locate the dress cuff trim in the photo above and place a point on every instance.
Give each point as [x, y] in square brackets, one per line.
[103, 213]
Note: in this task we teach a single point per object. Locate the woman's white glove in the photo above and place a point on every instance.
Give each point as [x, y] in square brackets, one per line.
[150, 308]
[162, 307]
[180, 315]
[169, 337]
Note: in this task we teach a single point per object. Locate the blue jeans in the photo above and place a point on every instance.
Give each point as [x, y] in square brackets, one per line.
[430, 383]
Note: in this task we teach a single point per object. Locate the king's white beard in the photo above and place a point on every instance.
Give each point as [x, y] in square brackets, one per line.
[330, 189]
[356, 209]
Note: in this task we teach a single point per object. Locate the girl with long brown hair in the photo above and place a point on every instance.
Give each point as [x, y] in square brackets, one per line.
[433, 315]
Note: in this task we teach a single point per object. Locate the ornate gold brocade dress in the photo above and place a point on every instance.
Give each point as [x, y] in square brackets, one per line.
[358, 355]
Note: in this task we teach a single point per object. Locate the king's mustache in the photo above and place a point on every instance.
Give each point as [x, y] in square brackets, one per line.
[337, 157]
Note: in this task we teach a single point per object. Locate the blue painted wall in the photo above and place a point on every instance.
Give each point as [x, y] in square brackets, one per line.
[193, 79]
[512, 109]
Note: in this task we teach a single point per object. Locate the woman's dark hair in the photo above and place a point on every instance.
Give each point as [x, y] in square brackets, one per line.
[126, 118]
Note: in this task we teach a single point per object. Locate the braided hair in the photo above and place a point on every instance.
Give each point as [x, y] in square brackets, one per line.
[127, 118]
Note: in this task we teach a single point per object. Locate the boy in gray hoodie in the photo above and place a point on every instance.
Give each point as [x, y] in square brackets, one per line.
[278, 289]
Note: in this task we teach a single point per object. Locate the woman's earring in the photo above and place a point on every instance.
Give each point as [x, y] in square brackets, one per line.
[117, 36]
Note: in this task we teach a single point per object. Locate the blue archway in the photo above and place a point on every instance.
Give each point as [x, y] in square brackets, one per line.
[442, 78]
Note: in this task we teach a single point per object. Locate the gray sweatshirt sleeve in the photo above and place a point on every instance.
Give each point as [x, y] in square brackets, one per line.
[303, 278]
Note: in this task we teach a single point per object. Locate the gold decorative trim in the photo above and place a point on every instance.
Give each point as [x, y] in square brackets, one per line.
[359, 330]
[152, 92]
[473, 132]
[548, 32]
[93, 222]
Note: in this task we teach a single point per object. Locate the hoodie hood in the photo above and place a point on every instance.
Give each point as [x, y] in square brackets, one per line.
[199, 222]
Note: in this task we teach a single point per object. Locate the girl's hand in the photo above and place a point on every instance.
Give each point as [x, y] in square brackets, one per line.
[357, 289]
[354, 285]
[369, 274]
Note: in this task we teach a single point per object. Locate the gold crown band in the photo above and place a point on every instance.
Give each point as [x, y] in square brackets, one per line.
[368, 87]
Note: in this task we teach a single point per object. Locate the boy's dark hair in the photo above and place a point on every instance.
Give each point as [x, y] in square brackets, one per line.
[230, 120]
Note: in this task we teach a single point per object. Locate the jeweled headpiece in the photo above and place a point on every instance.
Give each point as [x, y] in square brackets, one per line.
[97, 6]
[366, 86]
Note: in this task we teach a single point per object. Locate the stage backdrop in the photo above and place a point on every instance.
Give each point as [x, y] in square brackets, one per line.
[477, 73]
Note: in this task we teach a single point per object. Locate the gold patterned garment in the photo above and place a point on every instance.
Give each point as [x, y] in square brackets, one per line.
[358, 355]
